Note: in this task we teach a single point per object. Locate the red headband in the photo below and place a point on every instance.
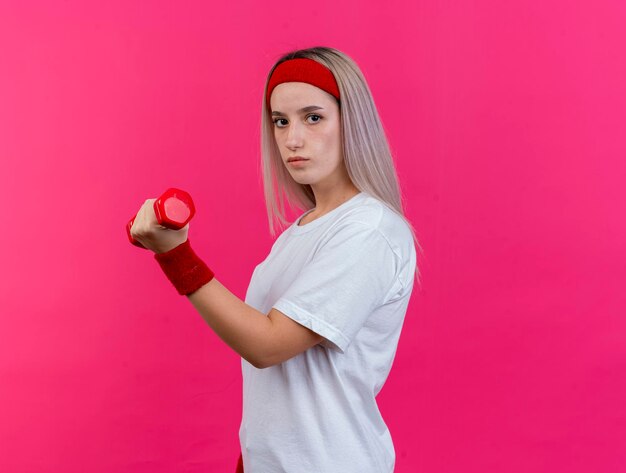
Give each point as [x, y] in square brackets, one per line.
[303, 70]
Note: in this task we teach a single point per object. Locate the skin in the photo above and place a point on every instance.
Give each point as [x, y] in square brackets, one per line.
[266, 340]
[315, 135]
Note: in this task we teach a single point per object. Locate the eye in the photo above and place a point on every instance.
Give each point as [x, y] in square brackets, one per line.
[276, 122]
[308, 116]
[313, 115]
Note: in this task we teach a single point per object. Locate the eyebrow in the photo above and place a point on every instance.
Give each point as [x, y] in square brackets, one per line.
[310, 108]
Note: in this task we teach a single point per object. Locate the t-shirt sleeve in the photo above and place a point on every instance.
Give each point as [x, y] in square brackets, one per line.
[346, 279]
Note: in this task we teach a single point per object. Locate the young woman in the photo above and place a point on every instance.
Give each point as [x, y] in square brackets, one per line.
[319, 327]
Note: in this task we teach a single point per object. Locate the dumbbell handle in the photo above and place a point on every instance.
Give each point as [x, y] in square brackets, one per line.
[173, 209]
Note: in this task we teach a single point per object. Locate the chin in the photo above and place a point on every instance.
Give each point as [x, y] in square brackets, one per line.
[301, 179]
[304, 181]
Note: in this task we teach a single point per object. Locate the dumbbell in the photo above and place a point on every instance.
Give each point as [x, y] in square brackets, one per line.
[173, 210]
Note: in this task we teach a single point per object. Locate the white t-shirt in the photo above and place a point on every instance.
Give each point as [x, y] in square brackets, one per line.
[348, 276]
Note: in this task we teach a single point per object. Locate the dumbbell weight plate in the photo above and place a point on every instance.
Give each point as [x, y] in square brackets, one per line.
[174, 209]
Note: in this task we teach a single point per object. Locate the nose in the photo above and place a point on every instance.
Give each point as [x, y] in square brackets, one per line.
[294, 136]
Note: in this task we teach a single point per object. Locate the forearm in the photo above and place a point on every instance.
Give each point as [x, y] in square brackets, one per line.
[243, 328]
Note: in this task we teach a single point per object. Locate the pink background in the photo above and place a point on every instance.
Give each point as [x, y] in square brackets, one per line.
[507, 123]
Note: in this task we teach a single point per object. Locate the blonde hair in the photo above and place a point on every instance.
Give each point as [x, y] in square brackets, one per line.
[366, 152]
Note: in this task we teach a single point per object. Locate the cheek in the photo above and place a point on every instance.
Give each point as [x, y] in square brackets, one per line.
[333, 143]
[333, 134]
[330, 136]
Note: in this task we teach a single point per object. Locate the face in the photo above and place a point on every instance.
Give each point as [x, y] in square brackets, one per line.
[313, 133]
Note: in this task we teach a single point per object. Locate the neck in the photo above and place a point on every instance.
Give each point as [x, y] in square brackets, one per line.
[331, 198]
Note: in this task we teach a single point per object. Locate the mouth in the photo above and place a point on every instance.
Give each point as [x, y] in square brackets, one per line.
[296, 158]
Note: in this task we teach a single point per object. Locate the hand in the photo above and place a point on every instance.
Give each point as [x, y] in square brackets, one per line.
[147, 230]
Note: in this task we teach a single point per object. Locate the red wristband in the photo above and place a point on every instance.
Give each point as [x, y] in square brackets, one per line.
[184, 268]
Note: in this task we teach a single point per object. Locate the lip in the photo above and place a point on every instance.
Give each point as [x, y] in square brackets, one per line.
[296, 158]
[298, 163]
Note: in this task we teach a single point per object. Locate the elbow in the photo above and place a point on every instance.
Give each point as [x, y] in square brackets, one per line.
[258, 362]
[260, 366]
[262, 362]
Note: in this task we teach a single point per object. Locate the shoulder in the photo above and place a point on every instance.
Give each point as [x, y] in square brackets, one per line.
[376, 215]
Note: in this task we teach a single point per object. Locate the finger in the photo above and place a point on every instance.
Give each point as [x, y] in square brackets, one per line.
[139, 225]
[145, 212]
[151, 219]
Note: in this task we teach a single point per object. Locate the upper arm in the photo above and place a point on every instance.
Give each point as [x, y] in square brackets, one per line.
[288, 339]
[342, 284]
